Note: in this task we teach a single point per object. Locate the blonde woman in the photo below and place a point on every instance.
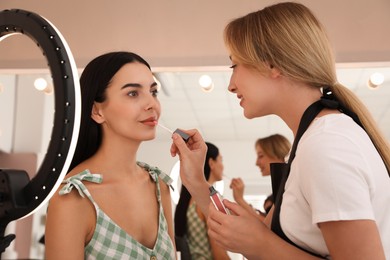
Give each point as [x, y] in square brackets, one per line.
[269, 149]
[335, 201]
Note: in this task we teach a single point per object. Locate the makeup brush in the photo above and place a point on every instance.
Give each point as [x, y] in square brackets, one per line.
[226, 177]
[183, 135]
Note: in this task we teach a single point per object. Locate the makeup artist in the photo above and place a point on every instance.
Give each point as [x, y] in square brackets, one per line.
[334, 201]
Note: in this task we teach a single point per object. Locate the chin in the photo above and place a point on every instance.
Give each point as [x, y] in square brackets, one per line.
[150, 137]
[248, 115]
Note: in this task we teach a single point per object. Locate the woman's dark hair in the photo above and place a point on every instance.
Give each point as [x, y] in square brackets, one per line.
[268, 207]
[185, 196]
[93, 84]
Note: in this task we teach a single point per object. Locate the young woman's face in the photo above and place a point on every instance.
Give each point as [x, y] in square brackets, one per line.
[263, 161]
[255, 90]
[216, 167]
[131, 109]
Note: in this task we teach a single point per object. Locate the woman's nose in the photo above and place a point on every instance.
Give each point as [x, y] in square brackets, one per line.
[152, 103]
[232, 86]
[258, 163]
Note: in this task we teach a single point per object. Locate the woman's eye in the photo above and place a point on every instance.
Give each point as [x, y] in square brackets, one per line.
[154, 92]
[132, 93]
[233, 66]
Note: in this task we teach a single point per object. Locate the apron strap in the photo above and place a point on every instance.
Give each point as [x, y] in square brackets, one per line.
[280, 172]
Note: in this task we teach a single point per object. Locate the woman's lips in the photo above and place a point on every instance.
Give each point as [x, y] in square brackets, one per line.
[150, 121]
[240, 98]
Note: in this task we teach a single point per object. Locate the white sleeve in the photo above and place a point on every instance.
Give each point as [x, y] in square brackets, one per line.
[335, 182]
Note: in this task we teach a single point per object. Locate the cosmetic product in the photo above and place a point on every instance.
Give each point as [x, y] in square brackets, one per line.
[183, 135]
[226, 177]
[216, 198]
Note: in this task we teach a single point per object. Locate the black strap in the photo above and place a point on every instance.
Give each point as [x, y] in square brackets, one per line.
[280, 171]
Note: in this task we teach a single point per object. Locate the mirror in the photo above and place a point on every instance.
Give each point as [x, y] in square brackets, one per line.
[26, 120]
[202, 110]
[25, 195]
[25, 111]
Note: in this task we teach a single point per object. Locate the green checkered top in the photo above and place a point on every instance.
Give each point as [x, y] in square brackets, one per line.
[198, 241]
[109, 241]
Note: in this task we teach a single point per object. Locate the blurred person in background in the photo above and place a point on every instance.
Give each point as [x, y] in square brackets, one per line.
[190, 222]
[270, 149]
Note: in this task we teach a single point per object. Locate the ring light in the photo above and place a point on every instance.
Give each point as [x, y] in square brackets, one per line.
[66, 117]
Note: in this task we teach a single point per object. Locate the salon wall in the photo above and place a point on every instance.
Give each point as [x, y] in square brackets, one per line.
[189, 33]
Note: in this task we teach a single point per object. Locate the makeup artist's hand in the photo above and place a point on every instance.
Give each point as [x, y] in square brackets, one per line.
[240, 232]
[192, 158]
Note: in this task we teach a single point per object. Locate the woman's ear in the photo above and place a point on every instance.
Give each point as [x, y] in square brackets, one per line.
[274, 72]
[211, 163]
[96, 113]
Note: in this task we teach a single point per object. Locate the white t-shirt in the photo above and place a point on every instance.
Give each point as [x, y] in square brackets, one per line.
[337, 174]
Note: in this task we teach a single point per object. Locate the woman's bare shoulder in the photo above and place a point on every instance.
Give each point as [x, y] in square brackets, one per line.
[71, 200]
[69, 208]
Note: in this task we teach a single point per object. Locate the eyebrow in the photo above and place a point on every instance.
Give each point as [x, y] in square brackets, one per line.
[137, 85]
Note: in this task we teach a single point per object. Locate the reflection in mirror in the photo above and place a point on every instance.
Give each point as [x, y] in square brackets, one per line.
[218, 115]
[26, 120]
[26, 117]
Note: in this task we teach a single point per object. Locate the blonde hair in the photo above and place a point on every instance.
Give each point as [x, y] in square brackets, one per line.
[289, 37]
[275, 146]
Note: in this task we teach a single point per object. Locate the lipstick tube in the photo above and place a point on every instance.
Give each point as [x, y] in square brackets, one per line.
[216, 198]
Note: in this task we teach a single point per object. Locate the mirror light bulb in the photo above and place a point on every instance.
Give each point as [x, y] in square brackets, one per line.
[377, 78]
[206, 83]
[40, 84]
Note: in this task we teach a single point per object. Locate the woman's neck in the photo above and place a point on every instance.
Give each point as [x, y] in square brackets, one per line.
[116, 157]
[294, 101]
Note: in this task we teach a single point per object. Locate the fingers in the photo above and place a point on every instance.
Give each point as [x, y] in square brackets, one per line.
[218, 226]
[214, 229]
[234, 208]
[177, 145]
[195, 142]
[237, 183]
[214, 215]
[218, 216]
[233, 183]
